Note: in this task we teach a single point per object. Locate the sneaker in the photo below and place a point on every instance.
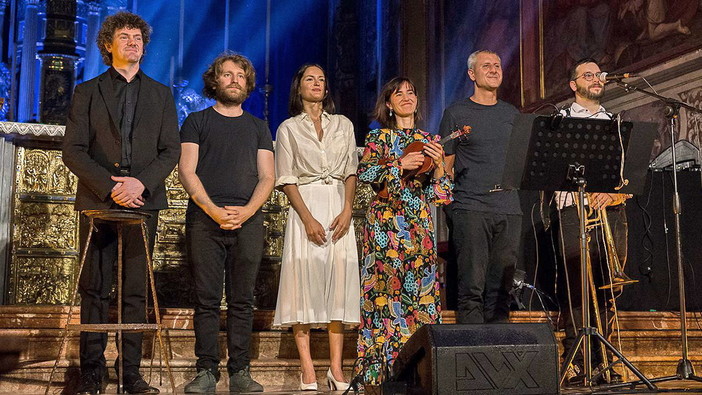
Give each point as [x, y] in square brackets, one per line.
[204, 382]
[241, 381]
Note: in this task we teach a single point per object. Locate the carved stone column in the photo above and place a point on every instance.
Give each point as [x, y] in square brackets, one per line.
[3, 5]
[58, 61]
[114, 6]
[7, 166]
[25, 106]
[93, 59]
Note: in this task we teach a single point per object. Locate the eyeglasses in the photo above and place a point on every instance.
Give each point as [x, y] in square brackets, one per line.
[588, 76]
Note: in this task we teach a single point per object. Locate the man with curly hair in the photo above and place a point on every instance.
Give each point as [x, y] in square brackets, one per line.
[121, 142]
[227, 168]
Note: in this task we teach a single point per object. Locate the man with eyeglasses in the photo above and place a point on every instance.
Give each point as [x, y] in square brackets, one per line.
[589, 90]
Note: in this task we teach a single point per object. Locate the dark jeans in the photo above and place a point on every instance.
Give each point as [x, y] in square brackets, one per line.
[567, 228]
[486, 247]
[96, 284]
[231, 257]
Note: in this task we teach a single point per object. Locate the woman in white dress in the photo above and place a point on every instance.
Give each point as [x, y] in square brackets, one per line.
[316, 165]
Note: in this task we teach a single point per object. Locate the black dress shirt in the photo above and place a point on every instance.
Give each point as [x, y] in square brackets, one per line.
[126, 96]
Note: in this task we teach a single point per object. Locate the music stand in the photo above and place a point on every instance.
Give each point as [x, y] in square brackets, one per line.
[554, 153]
[684, 370]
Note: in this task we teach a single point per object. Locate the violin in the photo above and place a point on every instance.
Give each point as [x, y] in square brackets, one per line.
[426, 166]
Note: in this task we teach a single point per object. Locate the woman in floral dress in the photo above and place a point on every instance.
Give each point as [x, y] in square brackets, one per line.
[399, 286]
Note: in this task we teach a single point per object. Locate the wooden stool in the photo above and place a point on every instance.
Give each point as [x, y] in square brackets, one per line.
[120, 218]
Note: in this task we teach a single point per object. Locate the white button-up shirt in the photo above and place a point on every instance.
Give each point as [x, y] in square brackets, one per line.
[563, 198]
[300, 158]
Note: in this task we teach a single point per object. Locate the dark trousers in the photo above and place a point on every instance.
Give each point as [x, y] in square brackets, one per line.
[486, 248]
[231, 257]
[96, 284]
[567, 228]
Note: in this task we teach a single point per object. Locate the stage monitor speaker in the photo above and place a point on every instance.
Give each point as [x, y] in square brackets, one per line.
[479, 359]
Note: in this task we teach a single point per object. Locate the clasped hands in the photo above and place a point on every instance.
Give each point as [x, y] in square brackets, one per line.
[230, 217]
[127, 192]
[414, 160]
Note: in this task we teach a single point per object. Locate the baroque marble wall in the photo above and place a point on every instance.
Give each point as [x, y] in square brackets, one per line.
[43, 246]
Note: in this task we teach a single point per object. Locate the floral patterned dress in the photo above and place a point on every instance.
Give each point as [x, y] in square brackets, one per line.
[399, 286]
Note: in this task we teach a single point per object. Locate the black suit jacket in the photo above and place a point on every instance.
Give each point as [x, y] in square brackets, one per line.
[92, 145]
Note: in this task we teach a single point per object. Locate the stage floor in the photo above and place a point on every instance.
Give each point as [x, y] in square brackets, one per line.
[672, 387]
[650, 340]
[677, 387]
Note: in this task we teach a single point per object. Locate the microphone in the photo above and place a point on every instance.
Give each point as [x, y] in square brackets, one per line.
[606, 77]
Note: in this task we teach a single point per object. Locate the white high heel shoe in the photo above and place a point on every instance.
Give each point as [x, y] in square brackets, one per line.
[335, 385]
[307, 387]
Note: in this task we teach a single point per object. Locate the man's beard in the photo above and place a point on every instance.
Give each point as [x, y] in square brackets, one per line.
[588, 94]
[230, 99]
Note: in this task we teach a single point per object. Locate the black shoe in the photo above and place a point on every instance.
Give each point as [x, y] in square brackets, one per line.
[92, 382]
[575, 375]
[134, 384]
[576, 381]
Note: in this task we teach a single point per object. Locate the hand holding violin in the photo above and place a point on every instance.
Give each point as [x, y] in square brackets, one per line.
[419, 158]
[435, 151]
[412, 160]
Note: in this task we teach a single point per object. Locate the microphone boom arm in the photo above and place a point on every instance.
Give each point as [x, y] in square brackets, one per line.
[675, 104]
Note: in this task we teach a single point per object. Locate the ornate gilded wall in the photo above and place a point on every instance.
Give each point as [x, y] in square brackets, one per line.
[44, 229]
[44, 235]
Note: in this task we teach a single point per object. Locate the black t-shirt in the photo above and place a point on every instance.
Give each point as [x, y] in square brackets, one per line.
[228, 149]
[480, 156]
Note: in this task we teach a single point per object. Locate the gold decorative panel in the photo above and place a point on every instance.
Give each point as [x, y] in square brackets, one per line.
[45, 226]
[364, 195]
[275, 221]
[175, 193]
[45, 252]
[277, 201]
[42, 280]
[44, 229]
[273, 247]
[43, 172]
[170, 238]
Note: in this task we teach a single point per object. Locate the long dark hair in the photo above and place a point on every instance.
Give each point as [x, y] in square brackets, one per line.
[382, 112]
[295, 101]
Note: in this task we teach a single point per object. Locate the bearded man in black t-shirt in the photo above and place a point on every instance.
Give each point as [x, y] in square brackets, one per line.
[485, 222]
[227, 168]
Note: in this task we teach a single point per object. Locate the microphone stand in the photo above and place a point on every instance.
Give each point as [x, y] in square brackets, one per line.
[685, 370]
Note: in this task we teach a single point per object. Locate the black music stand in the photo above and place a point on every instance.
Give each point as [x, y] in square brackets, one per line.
[684, 370]
[554, 153]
